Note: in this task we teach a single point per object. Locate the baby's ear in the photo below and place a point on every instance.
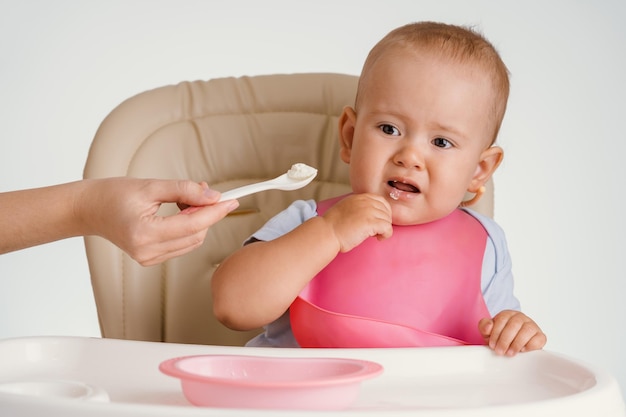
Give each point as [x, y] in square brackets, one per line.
[347, 122]
[489, 161]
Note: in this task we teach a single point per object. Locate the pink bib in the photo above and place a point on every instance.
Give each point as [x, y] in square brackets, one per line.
[421, 287]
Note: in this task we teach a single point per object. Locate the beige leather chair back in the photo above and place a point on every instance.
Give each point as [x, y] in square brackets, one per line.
[227, 132]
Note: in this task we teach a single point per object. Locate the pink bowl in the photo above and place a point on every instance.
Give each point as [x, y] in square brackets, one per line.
[239, 381]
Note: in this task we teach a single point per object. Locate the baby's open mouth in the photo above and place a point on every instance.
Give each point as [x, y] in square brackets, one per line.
[402, 186]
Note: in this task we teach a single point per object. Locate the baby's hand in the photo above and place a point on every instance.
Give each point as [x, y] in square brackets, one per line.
[357, 217]
[511, 332]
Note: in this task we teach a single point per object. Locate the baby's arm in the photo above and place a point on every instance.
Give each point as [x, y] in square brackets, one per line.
[511, 332]
[257, 284]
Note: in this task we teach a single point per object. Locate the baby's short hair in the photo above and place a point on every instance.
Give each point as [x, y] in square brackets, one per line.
[459, 44]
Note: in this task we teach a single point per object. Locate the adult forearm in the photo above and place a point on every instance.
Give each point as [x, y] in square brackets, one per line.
[40, 215]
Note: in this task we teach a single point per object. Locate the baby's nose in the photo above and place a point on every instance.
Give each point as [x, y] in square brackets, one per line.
[409, 156]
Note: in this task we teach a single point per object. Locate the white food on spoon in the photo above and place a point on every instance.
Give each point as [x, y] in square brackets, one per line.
[301, 171]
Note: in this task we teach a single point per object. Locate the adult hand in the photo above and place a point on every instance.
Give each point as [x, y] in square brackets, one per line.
[124, 211]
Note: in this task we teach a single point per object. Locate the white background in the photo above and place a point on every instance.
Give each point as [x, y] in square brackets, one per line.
[65, 64]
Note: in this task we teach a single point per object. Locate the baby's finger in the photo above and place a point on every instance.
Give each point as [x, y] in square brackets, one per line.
[524, 336]
[485, 326]
[385, 232]
[497, 326]
[501, 340]
[538, 341]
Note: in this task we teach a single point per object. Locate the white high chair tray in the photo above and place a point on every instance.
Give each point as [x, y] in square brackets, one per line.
[121, 378]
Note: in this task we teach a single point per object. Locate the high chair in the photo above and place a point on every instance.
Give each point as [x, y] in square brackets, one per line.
[227, 132]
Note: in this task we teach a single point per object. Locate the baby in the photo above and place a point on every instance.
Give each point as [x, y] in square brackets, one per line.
[429, 105]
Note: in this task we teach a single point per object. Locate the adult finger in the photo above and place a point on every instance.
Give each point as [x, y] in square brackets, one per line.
[163, 251]
[184, 192]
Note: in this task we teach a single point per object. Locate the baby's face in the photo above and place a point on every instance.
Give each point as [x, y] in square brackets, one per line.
[420, 129]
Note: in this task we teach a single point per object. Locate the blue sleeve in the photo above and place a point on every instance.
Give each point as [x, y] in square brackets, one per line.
[284, 222]
[497, 275]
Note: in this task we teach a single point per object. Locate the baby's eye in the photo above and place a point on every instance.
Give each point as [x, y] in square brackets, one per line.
[442, 143]
[388, 129]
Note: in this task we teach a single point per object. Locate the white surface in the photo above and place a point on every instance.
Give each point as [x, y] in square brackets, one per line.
[64, 65]
[456, 381]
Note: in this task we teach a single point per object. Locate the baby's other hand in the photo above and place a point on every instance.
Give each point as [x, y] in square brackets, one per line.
[511, 332]
[357, 217]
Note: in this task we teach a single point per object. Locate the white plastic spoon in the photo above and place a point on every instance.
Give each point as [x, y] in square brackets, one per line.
[297, 177]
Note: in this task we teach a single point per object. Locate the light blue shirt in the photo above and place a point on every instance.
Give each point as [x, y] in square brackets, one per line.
[496, 279]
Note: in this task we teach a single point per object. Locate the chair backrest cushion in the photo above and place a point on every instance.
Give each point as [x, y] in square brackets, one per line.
[227, 132]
